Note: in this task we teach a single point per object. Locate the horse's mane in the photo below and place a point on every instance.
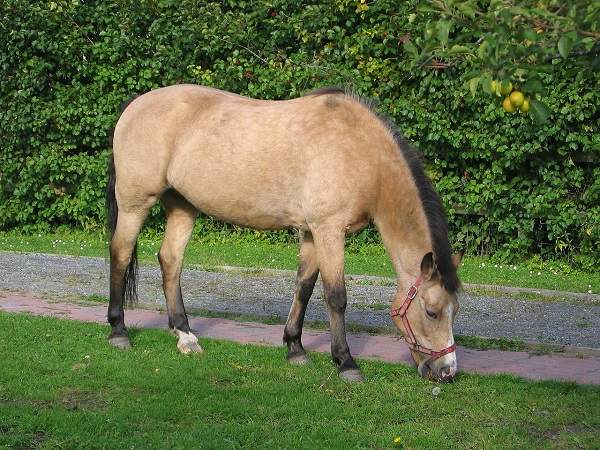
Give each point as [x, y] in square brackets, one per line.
[432, 205]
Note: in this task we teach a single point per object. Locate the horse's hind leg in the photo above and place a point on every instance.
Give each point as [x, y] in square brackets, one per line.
[308, 271]
[329, 246]
[122, 246]
[180, 223]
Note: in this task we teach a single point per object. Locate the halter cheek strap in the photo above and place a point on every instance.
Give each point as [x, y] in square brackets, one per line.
[410, 337]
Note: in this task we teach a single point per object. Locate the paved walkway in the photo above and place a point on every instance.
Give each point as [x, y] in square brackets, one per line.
[385, 348]
[269, 293]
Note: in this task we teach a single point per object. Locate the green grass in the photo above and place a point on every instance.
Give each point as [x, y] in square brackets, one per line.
[221, 249]
[62, 386]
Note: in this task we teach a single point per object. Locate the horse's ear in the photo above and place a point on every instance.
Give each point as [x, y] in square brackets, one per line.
[457, 258]
[428, 267]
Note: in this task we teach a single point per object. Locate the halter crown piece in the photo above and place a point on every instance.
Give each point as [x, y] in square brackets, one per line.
[410, 337]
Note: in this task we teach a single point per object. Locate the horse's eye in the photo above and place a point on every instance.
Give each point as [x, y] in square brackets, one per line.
[431, 314]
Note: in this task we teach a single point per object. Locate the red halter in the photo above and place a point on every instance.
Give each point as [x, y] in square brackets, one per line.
[410, 337]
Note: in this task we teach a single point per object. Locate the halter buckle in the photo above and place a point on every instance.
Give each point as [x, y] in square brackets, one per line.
[412, 293]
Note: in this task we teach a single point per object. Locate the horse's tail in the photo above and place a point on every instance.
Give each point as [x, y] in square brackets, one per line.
[112, 213]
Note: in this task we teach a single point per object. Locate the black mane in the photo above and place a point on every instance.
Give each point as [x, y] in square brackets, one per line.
[434, 211]
[432, 205]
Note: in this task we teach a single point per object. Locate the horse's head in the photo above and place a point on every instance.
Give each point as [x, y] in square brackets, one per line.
[425, 315]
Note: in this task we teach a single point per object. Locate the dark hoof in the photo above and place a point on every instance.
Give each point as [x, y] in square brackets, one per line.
[353, 375]
[121, 342]
[299, 359]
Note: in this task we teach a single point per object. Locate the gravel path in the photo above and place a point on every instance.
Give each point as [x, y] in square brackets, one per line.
[269, 293]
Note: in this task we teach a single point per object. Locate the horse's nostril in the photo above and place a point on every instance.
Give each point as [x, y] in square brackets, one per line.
[446, 373]
[424, 369]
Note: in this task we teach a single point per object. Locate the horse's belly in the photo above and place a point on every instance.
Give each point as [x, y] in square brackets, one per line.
[241, 208]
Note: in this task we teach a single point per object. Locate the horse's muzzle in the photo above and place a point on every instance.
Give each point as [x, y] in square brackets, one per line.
[444, 374]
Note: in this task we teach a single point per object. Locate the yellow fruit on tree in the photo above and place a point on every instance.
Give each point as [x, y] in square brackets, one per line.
[508, 106]
[524, 106]
[517, 98]
[506, 87]
[493, 86]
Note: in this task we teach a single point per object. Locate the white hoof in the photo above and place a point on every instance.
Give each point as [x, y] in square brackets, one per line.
[188, 343]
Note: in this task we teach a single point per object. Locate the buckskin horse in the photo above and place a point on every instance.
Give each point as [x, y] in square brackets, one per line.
[325, 164]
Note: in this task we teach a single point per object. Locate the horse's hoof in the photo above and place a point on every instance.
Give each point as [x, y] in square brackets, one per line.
[188, 343]
[121, 342]
[353, 375]
[193, 347]
[300, 359]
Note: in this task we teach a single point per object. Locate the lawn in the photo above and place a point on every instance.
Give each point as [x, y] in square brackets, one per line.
[62, 386]
[233, 250]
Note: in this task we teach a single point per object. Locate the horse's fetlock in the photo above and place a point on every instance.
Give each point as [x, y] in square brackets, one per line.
[179, 322]
[115, 318]
[348, 364]
[291, 334]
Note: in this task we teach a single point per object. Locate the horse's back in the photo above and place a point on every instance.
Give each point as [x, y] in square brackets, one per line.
[265, 164]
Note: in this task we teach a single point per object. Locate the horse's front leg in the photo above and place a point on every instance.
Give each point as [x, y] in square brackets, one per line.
[329, 245]
[180, 223]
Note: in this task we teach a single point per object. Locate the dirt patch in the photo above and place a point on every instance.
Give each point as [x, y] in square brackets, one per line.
[22, 402]
[221, 382]
[71, 400]
[577, 428]
[554, 434]
[74, 399]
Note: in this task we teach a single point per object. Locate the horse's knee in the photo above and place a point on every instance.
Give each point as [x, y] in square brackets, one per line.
[336, 297]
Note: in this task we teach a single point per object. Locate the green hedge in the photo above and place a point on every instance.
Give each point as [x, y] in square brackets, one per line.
[65, 66]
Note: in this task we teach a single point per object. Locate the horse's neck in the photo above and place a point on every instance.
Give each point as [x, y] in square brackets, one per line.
[403, 227]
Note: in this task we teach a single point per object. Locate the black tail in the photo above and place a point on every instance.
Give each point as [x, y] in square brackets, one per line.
[112, 212]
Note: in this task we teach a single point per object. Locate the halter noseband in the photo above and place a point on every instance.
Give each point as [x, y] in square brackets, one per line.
[410, 337]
